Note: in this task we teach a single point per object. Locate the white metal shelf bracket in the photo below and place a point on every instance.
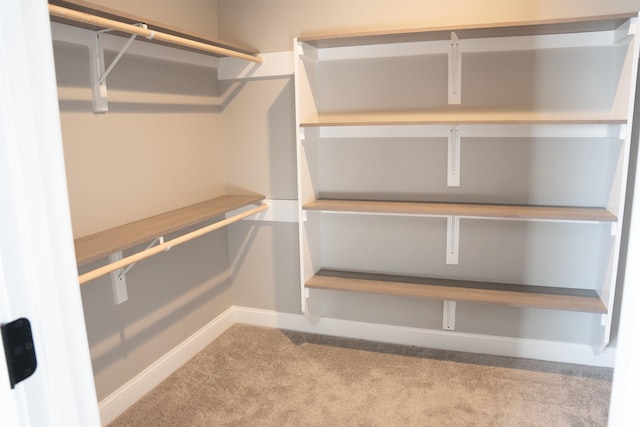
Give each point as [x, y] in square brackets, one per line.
[453, 162]
[98, 72]
[455, 71]
[96, 66]
[118, 277]
[449, 315]
[453, 239]
[118, 281]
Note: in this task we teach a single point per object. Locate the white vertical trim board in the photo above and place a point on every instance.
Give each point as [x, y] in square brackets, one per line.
[120, 400]
[39, 275]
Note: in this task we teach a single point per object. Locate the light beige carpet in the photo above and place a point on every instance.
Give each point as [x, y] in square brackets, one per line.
[254, 376]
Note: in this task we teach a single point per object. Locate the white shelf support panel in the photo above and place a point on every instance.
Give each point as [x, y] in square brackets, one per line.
[279, 211]
[306, 51]
[274, 64]
[453, 162]
[449, 316]
[626, 31]
[453, 239]
[455, 71]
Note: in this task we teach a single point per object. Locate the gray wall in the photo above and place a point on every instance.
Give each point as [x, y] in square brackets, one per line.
[137, 160]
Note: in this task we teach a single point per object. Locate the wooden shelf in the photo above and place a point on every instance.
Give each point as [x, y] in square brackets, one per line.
[473, 210]
[584, 300]
[95, 246]
[509, 29]
[116, 15]
[453, 116]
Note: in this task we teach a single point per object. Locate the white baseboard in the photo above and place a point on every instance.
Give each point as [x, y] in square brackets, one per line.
[116, 403]
[444, 340]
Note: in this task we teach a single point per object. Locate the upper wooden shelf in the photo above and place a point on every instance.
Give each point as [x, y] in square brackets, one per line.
[460, 117]
[473, 210]
[95, 246]
[126, 18]
[585, 300]
[509, 29]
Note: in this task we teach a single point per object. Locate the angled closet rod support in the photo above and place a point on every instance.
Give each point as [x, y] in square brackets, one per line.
[166, 245]
[98, 72]
[159, 240]
[74, 15]
[104, 75]
[118, 277]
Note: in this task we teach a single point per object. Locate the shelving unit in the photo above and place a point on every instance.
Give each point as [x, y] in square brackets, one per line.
[99, 245]
[115, 240]
[522, 123]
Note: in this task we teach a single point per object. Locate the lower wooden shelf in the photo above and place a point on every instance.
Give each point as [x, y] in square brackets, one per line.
[471, 210]
[584, 300]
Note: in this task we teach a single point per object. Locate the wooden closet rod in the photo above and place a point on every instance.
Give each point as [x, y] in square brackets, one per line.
[93, 274]
[98, 21]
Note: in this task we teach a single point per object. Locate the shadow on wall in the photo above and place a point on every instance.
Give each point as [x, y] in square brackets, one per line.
[170, 296]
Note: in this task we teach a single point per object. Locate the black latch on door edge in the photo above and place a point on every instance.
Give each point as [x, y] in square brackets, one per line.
[19, 350]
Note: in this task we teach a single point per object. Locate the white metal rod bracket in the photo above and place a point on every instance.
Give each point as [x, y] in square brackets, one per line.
[453, 239]
[116, 59]
[453, 158]
[98, 72]
[158, 240]
[118, 281]
[449, 316]
[455, 71]
[96, 66]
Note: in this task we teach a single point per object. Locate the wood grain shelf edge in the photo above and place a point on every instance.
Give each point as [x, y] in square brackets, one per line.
[459, 118]
[109, 13]
[559, 213]
[582, 300]
[504, 29]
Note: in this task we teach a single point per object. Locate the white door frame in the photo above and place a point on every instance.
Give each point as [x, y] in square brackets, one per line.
[38, 277]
